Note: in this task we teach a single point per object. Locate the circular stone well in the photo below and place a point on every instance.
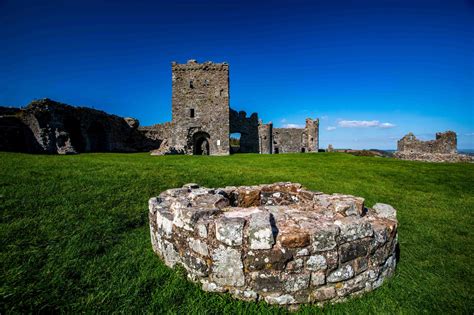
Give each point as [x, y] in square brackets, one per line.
[280, 242]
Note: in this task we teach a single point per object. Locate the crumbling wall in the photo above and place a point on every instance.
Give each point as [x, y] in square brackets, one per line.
[248, 129]
[200, 106]
[287, 140]
[445, 143]
[47, 126]
[442, 149]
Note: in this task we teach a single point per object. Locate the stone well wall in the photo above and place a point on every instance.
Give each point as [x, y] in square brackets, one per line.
[280, 243]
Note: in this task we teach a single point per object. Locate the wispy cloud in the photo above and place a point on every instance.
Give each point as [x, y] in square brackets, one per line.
[293, 126]
[386, 125]
[469, 134]
[364, 124]
[331, 128]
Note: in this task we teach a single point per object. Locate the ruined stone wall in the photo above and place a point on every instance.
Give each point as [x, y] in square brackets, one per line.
[15, 135]
[287, 140]
[158, 131]
[200, 106]
[53, 127]
[445, 143]
[265, 132]
[443, 149]
[248, 129]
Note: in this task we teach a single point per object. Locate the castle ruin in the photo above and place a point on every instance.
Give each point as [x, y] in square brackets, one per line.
[442, 149]
[202, 120]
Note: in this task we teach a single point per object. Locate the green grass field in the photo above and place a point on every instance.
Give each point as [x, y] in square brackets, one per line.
[75, 238]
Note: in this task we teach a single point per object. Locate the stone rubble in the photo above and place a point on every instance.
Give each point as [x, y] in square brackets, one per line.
[279, 243]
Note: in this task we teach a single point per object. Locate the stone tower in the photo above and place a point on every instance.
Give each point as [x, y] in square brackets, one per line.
[312, 131]
[265, 133]
[200, 107]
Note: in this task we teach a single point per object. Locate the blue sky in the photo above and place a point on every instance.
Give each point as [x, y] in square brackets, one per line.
[370, 70]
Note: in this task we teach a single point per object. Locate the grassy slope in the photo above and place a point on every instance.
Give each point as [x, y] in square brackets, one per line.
[74, 230]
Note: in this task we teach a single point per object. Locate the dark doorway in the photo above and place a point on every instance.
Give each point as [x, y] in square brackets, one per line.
[303, 150]
[277, 151]
[201, 143]
[97, 138]
[73, 128]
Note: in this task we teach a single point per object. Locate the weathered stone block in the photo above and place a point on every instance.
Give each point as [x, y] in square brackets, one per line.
[385, 211]
[324, 238]
[323, 294]
[267, 282]
[229, 230]
[343, 273]
[186, 217]
[260, 231]
[199, 246]
[293, 237]
[275, 259]
[295, 282]
[227, 267]
[316, 262]
[353, 228]
[280, 299]
[318, 278]
[354, 249]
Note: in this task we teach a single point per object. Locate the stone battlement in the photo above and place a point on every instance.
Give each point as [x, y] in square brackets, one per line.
[193, 65]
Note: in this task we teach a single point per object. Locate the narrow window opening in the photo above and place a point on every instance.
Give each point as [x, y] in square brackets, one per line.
[191, 84]
[191, 112]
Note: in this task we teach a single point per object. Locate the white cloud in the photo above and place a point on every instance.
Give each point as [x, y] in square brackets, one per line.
[364, 124]
[470, 134]
[283, 120]
[325, 117]
[293, 126]
[331, 128]
[386, 125]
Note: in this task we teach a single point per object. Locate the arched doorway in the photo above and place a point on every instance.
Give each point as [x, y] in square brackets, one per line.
[201, 143]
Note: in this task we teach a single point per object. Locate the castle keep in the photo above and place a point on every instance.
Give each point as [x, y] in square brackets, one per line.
[202, 119]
